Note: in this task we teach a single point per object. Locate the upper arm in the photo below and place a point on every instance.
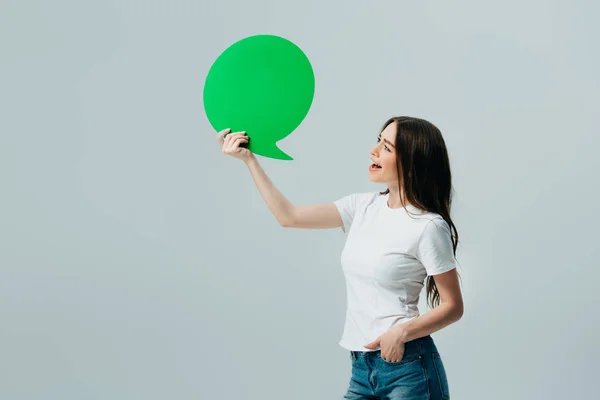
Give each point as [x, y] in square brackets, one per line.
[435, 251]
[316, 216]
[337, 214]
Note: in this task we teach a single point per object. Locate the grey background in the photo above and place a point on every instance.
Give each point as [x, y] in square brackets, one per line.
[138, 262]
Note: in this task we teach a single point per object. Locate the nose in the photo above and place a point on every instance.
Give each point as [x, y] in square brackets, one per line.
[375, 151]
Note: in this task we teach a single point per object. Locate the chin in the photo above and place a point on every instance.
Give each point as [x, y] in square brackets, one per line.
[373, 178]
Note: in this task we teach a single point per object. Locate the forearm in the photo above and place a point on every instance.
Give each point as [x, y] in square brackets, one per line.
[281, 207]
[430, 322]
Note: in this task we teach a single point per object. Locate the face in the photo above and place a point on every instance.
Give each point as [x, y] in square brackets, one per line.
[384, 155]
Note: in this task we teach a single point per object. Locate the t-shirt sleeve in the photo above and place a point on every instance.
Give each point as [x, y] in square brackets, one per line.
[347, 207]
[434, 249]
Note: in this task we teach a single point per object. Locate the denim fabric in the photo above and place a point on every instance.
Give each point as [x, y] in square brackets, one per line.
[420, 375]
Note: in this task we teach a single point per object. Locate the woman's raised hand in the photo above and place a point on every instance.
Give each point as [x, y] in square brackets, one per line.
[231, 143]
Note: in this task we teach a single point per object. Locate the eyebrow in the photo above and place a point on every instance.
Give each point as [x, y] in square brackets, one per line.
[387, 141]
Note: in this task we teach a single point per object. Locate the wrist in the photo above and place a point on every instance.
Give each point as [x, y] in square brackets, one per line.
[403, 332]
[250, 160]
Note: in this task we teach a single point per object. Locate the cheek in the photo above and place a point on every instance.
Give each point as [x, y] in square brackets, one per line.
[390, 166]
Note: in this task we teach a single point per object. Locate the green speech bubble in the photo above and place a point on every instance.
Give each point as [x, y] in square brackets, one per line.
[263, 85]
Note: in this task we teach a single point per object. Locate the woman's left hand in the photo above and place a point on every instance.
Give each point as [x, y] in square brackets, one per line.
[391, 343]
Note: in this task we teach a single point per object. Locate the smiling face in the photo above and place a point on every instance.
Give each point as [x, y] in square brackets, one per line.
[383, 167]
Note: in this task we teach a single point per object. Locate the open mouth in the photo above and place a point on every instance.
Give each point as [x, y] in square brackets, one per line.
[375, 166]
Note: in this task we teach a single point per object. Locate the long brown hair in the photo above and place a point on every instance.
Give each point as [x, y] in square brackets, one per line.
[424, 168]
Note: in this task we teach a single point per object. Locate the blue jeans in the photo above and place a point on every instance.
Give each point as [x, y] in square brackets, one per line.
[420, 375]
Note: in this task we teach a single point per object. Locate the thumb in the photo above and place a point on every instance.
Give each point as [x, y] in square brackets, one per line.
[373, 345]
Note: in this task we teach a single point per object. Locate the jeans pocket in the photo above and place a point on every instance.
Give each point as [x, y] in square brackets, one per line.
[441, 375]
[404, 360]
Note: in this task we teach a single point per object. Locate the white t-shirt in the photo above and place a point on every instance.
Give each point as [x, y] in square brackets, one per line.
[386, 258]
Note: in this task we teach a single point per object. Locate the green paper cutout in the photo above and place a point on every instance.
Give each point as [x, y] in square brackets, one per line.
[263, 85]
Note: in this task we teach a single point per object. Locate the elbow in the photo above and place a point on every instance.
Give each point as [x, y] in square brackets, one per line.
[454, 311]
[458, 311]
[286, 223]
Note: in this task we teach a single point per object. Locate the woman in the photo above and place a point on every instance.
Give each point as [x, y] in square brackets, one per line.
[396, 240]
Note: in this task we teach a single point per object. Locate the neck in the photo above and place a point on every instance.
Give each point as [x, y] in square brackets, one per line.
[396, 198]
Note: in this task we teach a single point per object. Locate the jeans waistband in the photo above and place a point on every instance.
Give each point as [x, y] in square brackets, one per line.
[420, 346]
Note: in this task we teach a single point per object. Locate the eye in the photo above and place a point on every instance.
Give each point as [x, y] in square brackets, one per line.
[379, 140]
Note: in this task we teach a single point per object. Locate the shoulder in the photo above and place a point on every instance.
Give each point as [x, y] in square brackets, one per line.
[367, 197]
[356, 203]
[434, 225]
[358, 199]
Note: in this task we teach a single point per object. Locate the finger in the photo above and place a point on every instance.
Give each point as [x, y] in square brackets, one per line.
[242, 137]
[244, 140]
[395, 357]
[234, 135]
[232, 146]
[237, 141]
[221, 134]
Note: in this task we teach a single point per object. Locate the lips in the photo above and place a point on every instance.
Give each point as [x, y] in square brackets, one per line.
[375, 165]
